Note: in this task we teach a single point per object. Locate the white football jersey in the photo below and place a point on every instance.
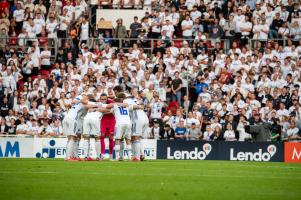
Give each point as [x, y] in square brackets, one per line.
[156, 109]
[136, 115]
[95, 114]
[122, 114]
[77, 110]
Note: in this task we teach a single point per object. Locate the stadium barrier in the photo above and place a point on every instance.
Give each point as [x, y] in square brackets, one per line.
[292, 152]
[36, 147]
[220, 150]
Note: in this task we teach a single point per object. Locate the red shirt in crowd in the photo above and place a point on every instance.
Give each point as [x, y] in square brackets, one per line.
[3, 6]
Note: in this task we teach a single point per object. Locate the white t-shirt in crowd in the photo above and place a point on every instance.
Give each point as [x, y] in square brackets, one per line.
[187, 32]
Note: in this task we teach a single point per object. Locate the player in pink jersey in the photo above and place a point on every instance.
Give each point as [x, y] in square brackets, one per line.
[107, 126]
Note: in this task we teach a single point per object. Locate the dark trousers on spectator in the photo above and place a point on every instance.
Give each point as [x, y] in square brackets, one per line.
[35, 71]
[61, 34]
[155, 35]
[45, 67]
[237, 37]
[25, 76]
[244, 40]
[19, 26]
[230, 40]
[273, 34]
[75, 45]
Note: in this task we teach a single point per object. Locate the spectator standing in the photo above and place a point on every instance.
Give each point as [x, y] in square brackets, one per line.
[135, 28]
[156, 110]
[187, 27]
[276, 24]
[18, 15]
[176, 86]
[84, 30]
[120, 30]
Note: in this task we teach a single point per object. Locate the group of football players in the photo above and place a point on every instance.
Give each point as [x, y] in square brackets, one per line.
[122, 120]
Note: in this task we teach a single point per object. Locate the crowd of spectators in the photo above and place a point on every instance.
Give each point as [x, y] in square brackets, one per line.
[193, 89]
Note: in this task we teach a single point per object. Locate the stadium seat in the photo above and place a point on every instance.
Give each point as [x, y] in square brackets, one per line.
[33, 77]
[13, 41]
[173, 106]
[178, 43]
[45, 73]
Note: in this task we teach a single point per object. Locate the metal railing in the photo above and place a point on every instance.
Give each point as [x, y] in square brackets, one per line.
[253, 42]
[30, 136]
[133, 5]
[15, 42]
[149, 44]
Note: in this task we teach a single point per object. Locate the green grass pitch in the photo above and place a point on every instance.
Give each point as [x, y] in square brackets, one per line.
[162, 179]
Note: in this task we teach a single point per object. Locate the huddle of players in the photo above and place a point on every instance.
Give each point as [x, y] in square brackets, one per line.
[84, 117]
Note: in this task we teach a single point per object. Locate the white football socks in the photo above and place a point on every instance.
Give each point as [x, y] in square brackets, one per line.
[136, 149]
[86, 147]
[75, 148]
[129, 150]
[117, 151]
[141, 148]
[69, 148]
[97, 148]
[121, 152]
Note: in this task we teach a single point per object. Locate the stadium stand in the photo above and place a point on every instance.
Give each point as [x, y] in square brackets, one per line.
[217, 66]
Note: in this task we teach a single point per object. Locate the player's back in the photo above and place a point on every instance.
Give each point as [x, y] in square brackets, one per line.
[122, 115]
[76, 111]
[92, 113]
[137, 114]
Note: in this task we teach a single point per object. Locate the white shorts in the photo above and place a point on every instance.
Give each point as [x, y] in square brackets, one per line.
[139, 128]
[123, 131]
[79, 126]
[91, 126]
[69, 126]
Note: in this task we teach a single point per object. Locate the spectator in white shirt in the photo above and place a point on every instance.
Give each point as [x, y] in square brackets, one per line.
[246, 28]
[207, 133]
[293, 134]
[78, 9]
[283, 31]
[229, 134]
[295, 30]
[18, 15]
[64, 21]
[39, 23]
[45, 128]
[51, 27]
[238, 20]
[22, 127]
[187, 27]
[55, 129]
[33, 128]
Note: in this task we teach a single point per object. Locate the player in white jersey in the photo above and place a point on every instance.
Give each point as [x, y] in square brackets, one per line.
[72, 125]
[123, 124]
[140, 124]
[91, 129]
